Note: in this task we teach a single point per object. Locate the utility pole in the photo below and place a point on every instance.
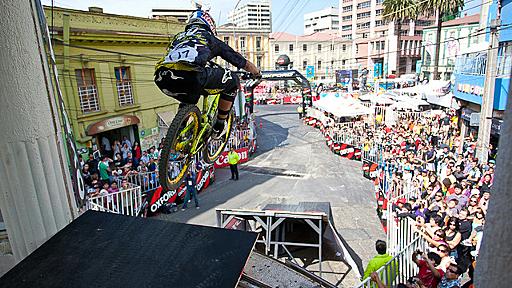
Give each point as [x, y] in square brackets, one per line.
[35, 189]
[486, 109]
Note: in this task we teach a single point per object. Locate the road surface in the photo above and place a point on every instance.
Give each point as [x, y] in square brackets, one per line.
[293, 164]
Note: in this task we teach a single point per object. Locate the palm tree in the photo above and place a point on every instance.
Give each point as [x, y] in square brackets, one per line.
[442, 9]
[399, 11]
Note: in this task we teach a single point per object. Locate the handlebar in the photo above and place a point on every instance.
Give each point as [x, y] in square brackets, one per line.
[244, 75]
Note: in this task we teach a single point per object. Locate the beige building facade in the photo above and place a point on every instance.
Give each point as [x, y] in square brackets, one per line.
[325, 51]
[253, 44]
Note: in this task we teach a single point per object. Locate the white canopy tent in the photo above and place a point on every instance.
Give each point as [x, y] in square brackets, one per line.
[341, 105]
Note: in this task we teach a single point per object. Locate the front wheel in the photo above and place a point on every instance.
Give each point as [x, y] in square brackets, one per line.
[214, 148]
[175, 157]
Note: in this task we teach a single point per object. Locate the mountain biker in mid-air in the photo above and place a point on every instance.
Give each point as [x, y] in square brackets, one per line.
[185, 73]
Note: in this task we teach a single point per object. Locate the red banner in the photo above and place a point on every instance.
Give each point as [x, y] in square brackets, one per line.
[222, 162]
[292, 99]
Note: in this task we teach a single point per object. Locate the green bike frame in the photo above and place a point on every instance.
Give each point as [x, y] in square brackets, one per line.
[210, 105]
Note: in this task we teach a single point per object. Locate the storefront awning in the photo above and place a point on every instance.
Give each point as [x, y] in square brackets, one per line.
[111, 124]
[165, 118]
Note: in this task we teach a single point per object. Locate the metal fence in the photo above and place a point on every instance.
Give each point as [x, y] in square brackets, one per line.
[401, 267]
[238, 139]
[147, 181]
[126, 202]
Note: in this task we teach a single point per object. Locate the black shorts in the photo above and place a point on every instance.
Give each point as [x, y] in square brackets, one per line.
[188, 86]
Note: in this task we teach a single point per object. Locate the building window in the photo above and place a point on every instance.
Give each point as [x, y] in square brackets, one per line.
[319, 47]
[379, 12]
[242, 43]
[348, 37]
[258, 61]
[363, 15]
[226, 40]
[319, 65]
[258, 43]
[378, 2]
[276, 48]
[305, 47]
[346, 27]
[290, 47]
[332, 47]
[379, 23]
[124, 86]
[365, 35]
[347, 8]
[87, 91]
[344, 47]
[304, 64]
[364, 4]
[363, 25]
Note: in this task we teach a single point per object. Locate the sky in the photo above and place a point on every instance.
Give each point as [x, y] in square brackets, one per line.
[287, 15]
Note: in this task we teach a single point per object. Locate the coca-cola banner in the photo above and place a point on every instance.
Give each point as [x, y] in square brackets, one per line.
[222, 161]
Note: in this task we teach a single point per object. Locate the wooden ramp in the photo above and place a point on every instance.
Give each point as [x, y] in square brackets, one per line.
[108, 250]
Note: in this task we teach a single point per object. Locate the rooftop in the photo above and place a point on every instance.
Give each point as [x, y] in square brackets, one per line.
[315, 37]
[467, 20]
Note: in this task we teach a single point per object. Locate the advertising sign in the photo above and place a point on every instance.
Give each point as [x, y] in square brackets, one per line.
[310, 71]
[370, 170]
[222, 161]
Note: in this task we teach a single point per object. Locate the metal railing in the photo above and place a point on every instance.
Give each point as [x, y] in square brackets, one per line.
[147, 181]
[126, 202]
[124, 93]
[471, 64]
[504, 66]
[401, 267]
[88, 96]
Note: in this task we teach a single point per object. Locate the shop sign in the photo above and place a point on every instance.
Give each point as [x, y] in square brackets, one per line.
[470, 89]
[111, 124]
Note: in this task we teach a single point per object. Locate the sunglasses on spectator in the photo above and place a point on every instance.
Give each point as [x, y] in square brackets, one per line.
[439, 195]
[442, 250]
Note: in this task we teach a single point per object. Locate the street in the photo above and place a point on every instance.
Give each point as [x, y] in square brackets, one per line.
[293, 164]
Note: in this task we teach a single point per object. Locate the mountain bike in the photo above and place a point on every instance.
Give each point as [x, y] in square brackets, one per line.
[190, 134]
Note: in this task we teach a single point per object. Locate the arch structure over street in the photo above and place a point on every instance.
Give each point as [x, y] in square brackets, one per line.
[280, 75]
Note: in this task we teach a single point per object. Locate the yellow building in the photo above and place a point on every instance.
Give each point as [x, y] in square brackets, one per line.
[253, 44]
[106, 65]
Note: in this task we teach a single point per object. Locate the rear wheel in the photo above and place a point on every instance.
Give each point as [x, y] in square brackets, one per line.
[175, 157]
[215, 147]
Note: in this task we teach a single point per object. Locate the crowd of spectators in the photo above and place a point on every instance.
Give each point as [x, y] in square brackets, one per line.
[435, 179]
[108, 172]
